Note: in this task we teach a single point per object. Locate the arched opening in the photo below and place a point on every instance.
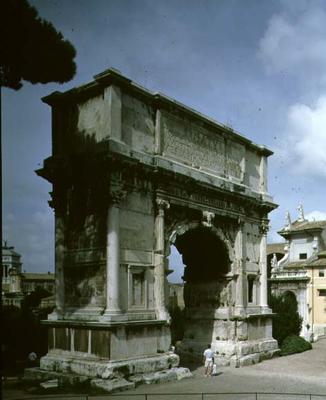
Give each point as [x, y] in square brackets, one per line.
[206, 262]
[206, 292]
[204, 255]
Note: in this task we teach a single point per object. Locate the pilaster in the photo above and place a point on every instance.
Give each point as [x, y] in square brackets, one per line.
[240, 257]
[263, 265]
[263, 174]
[159, 271]
[158, 132]
[112, 112]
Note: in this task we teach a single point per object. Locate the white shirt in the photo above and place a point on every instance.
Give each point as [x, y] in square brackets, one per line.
[208, 353]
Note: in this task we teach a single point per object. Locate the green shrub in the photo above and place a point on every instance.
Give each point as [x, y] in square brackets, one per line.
[294, 344]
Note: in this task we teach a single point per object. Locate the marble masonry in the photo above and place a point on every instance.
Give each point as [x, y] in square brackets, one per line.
[134, 172]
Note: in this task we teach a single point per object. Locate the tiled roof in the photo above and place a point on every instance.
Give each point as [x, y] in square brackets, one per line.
[296, 265]
[318, 261]
[275, 248]
[298, 226]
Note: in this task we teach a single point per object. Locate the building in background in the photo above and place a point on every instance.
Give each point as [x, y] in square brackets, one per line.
[10, 260]
[32, 281]
[16, 285]
[302, 271]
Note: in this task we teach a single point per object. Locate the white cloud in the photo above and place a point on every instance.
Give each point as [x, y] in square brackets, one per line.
[316, 216]
[295, 42]
[306, 136]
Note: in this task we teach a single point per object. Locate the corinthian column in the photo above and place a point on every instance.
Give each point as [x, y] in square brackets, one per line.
[240, 259]
[113, 309]
[263, 264]
[58, 204]
[59, 258]
[159, 271]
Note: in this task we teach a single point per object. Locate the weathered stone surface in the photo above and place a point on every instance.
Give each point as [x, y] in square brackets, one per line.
[249, 359]
[161, 376]
[112, 385]
[133, 173]
[105, 369]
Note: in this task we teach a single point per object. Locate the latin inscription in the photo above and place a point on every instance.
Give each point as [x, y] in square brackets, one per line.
[209, 201]
[198, 147]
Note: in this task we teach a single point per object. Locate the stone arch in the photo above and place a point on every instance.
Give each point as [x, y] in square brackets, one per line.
[180, 228]
[209, 288]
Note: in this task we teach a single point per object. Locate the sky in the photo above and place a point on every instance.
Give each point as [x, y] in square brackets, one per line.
[258, 66]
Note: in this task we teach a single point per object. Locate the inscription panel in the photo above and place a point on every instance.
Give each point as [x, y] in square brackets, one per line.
[192, 144]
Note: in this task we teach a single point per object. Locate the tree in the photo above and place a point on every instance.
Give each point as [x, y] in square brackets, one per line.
[31, 49]
[287, 320]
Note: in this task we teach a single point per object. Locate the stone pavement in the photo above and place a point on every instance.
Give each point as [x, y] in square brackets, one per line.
[303, 373]
[299, 373]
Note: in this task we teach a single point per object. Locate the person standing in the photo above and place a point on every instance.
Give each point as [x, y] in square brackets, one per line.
[208, 360]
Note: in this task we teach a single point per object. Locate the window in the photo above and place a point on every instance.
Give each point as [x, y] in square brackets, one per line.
[251, 280]
[321, 273]
[303, 256]
[322, 292]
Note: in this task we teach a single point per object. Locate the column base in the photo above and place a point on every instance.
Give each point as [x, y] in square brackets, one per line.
[163, 315]
[113, 316]
[56, 315]
[239, 311]
[265, 310]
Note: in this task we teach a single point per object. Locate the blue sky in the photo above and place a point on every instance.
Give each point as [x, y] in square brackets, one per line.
[258, 66]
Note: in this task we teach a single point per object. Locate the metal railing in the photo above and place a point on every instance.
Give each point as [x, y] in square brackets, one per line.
[181, 396]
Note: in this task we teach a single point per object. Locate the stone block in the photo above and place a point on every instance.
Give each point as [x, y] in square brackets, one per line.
[222, 361]
[268, 345]
[224, 348]
[167, 375]
[182, 373]
[245, 348]
[112, 385]
[249, 359]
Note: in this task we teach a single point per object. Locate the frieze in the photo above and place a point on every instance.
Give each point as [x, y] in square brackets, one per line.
[220, 203]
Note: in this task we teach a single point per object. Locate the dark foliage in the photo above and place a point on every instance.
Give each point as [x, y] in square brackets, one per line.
[287, 320]
[33, 300]
[21, 333]
[31, 49]
[177, 324]
[294, 344]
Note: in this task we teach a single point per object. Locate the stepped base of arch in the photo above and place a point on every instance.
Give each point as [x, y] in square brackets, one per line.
[70, 369]
[237, 341]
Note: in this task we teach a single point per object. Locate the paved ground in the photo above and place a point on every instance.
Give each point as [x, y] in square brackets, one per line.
[303, 373]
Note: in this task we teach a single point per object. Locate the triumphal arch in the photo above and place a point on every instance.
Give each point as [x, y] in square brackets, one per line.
[133, 173]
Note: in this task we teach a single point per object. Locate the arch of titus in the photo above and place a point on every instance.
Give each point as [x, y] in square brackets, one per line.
[133, 173]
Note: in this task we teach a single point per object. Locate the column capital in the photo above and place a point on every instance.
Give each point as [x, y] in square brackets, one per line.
[162, 205]
[117, 194]
[264, 226]
[207, 218]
